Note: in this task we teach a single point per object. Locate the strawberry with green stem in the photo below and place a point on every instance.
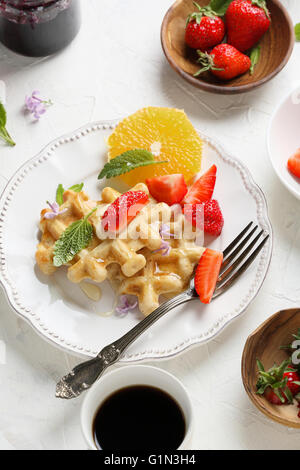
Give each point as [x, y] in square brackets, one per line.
[204, 28]
[224, 61]
[280, 384]
[246, 21]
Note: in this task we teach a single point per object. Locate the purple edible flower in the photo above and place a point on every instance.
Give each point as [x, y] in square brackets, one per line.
[125, 306]
[55, 211]
[164, 248]
[36, 105]
[164, 231]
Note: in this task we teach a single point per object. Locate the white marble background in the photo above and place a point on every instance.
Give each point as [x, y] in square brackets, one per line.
[114, 67]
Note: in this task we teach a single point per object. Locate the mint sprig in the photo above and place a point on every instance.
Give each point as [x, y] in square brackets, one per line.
[297, 31]
[3, 131]
[220, 6]
[60, 192]
[128, 161]
[254, 57]
[74, 239]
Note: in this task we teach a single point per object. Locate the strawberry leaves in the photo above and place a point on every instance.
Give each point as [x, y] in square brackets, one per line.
[214, 8]
[274, 378]
[74, 239]
[254, 57]
[220, 6]
[126, 162]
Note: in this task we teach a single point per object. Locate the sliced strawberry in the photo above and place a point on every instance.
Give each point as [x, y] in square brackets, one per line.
[170, 189]
[202, 190]
[125, 208]
[206, 216]
[207, 274]
[294, 164]
[213, 218]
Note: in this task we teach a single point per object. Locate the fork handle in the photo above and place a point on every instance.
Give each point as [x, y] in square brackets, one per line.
[86, 373]
[122, 343]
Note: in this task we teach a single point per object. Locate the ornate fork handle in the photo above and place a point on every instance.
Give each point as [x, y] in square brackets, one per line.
[85, 374]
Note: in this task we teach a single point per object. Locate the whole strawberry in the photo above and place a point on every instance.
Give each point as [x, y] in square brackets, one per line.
[204, 29]
[224, 61]
[279, 384]
[247, 21]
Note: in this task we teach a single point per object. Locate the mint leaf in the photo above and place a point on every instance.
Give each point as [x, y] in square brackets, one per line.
[254, 57]
[74, 239]
[60, 192]
[126, 162]
[3, 131]
[76, 187]
[220, 6]
[297, 31]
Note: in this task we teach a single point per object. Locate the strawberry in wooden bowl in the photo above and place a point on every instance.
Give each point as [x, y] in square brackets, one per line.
[259, 29]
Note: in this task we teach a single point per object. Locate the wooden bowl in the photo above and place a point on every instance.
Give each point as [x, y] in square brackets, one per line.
[276, 47]
[264, 344]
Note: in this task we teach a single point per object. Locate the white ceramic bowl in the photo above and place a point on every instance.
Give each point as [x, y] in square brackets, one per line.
[283, 139]
[134, 375]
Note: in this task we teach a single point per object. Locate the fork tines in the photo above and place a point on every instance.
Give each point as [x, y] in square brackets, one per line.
[238, 256]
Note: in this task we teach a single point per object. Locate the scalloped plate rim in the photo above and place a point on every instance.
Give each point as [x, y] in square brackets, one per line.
[145, 355]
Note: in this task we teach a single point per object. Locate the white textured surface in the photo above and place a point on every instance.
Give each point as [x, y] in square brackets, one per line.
[114, 67]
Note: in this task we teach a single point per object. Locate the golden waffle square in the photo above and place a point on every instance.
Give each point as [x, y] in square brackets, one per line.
[78, 205]
[124, 250]
[163, 274]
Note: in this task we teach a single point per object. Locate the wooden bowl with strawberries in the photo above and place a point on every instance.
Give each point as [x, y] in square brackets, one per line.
[268, 344]
[191, 40]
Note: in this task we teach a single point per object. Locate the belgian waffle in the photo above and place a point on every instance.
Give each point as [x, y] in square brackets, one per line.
[132, 261]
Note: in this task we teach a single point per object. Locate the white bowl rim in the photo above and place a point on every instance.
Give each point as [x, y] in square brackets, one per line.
[137, 367]
[274, 114]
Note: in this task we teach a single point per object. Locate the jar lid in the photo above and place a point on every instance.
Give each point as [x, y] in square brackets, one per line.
[32, 11]
[23, 4]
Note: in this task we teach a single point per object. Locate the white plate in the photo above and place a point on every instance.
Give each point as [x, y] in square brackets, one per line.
[284, 139]
[59, 310]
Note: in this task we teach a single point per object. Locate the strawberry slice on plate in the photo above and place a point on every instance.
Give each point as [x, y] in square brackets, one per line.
[213, 218]
[123, 210]
[206, 216]
[207, 274]
[294, 164]
[202, 190]
[170, 189]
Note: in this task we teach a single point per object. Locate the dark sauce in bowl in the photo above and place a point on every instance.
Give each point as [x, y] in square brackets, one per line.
[38, 28]
[139, 417]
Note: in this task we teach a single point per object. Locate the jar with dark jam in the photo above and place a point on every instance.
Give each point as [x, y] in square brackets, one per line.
[38, 28]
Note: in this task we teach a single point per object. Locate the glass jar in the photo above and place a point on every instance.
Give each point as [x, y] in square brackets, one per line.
[38, 28]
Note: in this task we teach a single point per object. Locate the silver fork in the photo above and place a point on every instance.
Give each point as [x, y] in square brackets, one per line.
[237, 257]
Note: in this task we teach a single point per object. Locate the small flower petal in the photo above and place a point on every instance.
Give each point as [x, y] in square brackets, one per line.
[164, 231]
[125, 306]
[50, 215]
[165, 248]
[54, 206]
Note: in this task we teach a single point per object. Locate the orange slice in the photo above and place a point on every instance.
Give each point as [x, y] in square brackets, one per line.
[167, 133]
